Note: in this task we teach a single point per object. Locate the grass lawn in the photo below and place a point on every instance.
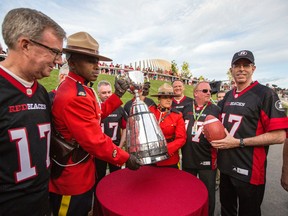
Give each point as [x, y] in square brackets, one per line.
[51, 82]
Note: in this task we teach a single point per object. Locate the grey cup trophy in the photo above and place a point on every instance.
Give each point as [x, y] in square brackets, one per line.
[144, 137]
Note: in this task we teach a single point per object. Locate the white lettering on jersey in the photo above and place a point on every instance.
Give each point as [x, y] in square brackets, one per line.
[114, 126]
[19, 136]
[237, 104]
[45, 133]
[196, 136]
[241, 171]
[23, 107]
[26, 170]
[112, 115]
[205, 163]
[179, 107]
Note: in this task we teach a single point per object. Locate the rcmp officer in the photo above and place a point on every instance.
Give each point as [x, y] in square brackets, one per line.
[171, 123]
[76, 116]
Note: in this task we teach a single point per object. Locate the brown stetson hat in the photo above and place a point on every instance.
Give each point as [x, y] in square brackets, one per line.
[84, 43]
[165, 90]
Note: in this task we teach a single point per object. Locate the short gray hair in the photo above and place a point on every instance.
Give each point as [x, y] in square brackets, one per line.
[64, 69]
[28, 23]
[103, 83]
[197, 85]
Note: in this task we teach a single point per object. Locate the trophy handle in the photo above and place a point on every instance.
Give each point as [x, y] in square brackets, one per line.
[135, 79]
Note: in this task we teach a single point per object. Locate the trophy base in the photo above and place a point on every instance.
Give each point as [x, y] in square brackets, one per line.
[154, 159]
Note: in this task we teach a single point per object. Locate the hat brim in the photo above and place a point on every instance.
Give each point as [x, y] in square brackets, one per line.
[165, 94]
[101, 58]
[241, 57]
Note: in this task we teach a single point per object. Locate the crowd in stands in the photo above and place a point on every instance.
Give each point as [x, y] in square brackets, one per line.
[153, 74]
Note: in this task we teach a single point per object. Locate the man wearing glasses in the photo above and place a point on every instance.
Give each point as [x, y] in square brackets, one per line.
[198, 156]
[25, 113]
[254, 119]
[56, 52]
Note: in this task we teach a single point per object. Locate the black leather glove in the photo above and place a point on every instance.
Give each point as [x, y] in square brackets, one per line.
[133, 163]
[120, 85]
[146, 88]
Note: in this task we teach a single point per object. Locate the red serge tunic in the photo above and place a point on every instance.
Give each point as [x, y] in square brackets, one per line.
[78, 117]
[173, 127]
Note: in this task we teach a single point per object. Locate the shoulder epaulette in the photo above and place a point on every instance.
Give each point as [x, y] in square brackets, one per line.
[175, 110]
[80, 89]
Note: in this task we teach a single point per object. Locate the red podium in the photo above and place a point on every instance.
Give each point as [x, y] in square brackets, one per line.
[152, 191]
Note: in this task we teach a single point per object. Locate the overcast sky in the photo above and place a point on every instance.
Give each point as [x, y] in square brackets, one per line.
[204, 33]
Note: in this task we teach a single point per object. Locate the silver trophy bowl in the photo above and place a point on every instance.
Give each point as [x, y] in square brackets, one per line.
[144, 137]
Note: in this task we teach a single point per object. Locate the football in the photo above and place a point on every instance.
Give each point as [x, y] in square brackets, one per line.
[213, 129]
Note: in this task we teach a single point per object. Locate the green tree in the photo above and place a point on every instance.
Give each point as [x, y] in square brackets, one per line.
[201, 78]
[185, 71]
[174, 68]
[229, 75]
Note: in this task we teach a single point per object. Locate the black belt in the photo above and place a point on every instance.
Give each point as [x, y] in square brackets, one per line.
[170, 140]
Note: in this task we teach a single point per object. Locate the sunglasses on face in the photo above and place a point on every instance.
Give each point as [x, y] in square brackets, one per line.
[205, 90]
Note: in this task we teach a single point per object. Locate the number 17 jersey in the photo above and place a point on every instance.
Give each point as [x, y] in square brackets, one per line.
[24, 139]
[252, 112]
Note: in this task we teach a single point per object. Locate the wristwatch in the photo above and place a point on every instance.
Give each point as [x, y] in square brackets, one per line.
[242, 144]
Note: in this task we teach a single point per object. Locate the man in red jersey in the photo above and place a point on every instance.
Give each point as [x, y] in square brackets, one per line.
[181, 100]
[284, 176]
[76, 116]
[198, 156]
[35, 44]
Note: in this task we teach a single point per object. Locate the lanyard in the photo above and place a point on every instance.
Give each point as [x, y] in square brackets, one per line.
[194, 113]
[195, 128]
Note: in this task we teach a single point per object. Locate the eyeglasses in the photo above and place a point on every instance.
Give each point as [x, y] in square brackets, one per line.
[205, 90]
[57, 52]
[245, 66]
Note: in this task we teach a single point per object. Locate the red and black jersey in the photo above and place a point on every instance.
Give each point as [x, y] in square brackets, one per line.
[254, 111]
[24, 139]
[197, 153]
[179, 105]
[113, 123]
[148, 101]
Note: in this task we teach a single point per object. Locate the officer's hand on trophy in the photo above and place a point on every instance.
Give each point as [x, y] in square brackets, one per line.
[146, 88]
[121, 86]
[133, 162]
